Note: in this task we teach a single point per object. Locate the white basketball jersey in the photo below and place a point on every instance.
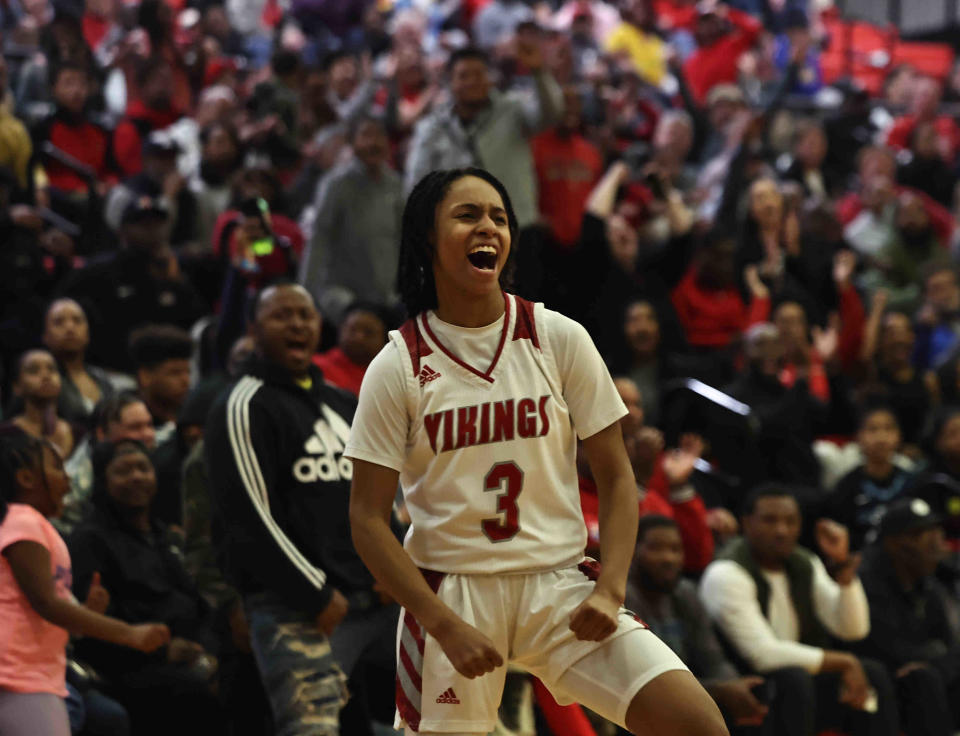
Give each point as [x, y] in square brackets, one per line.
[489, 475]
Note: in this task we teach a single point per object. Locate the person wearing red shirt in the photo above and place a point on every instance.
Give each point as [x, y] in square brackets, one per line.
[71, 132]
[151, 109]
[719, 47]
[924, 106]
[568, 166]
[663, 482]
[363, 333]
[708, 302]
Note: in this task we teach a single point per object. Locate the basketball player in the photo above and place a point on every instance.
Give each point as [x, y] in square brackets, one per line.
[475, 406]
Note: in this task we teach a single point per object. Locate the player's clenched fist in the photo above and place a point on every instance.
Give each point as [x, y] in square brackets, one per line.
[470, 651]
[595, 618]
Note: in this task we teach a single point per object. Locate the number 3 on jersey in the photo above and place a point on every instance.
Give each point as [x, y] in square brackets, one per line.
[508, 478]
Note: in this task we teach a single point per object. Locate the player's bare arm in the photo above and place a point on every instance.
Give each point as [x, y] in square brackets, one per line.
[371, 498]
[596, 617]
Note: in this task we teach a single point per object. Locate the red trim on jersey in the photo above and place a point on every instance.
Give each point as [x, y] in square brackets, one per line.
[416, 345]
[526, 327]
[462, 364]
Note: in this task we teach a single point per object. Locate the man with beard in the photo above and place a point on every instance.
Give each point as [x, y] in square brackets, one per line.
[672, 609]
[781, 612]
[352, 253]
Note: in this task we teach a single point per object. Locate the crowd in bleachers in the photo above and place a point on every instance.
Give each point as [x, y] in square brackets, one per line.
[762, 244]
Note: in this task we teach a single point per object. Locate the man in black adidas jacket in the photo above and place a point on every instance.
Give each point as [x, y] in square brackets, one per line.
[281, 491]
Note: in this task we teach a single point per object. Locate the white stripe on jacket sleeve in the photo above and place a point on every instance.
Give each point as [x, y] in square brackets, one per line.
[238, 430]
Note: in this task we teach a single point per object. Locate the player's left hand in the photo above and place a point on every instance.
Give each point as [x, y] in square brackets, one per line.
[596, 618]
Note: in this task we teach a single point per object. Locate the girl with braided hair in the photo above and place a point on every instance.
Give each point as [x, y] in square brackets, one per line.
[37, 610]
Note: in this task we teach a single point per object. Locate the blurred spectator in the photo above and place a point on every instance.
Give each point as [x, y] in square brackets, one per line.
[122, 416]
[220, 158]
[36, 383]
[159, 180]
[151, 109]
[568, 166]
[888, 350]
[722, 34]
[612, 270]
[939, 484]
[635, 40]
[645, 359]
[788, 418]
[138, 284]
[937, 321]
[67, 335]
[664, 479]
[161, 359]
[497, 21]
[925, 97]
[708, 301]
[70, 129]
[809, 154]
[15, 146]
[926, 168]
[860, 498]
[129, 552]
[602, 16]
[252, 184]
[778, 607]
[671, 607]
[482, 127]
[353, 249]
[912, 619]
[362, 334]
[896, 267]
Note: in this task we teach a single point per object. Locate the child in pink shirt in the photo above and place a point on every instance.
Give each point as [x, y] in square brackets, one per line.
[37, 609]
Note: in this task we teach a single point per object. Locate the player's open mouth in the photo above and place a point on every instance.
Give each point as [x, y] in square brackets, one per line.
[483, 257]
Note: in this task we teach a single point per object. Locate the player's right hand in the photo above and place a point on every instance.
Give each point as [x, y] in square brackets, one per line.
[470, 651]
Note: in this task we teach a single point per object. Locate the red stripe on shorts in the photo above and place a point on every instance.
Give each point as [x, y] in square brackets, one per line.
[405, 701]
[409, 714]
[410, 669]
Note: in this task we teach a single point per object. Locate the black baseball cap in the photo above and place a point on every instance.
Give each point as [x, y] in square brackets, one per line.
[143, 207]
[908, 515]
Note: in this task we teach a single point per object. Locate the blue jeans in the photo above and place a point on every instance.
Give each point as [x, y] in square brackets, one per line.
[304, 684]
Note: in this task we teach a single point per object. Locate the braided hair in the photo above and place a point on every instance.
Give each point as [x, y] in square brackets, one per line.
[415, 283]
[18, 450]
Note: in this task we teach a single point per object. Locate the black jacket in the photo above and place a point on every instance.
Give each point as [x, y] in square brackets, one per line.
[147, 582]
[908, 625]
[281, 489]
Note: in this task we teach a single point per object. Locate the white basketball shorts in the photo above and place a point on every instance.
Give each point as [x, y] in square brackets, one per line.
[527, 616]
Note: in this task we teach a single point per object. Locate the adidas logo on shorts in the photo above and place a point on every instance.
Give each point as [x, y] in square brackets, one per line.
[427, 374]
[448, 696]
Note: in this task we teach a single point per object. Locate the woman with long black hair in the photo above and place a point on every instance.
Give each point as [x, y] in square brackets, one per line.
[475, 407]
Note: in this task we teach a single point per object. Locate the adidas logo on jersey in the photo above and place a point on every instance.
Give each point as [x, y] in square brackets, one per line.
[427, 374]
[324, 460]
[449, 697]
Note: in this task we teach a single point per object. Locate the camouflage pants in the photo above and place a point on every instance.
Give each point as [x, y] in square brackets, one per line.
[305, 685]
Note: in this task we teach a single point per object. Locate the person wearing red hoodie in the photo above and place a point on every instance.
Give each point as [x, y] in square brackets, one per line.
[708, 302]
[723, 34]
[362, 334]
[150, 109]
